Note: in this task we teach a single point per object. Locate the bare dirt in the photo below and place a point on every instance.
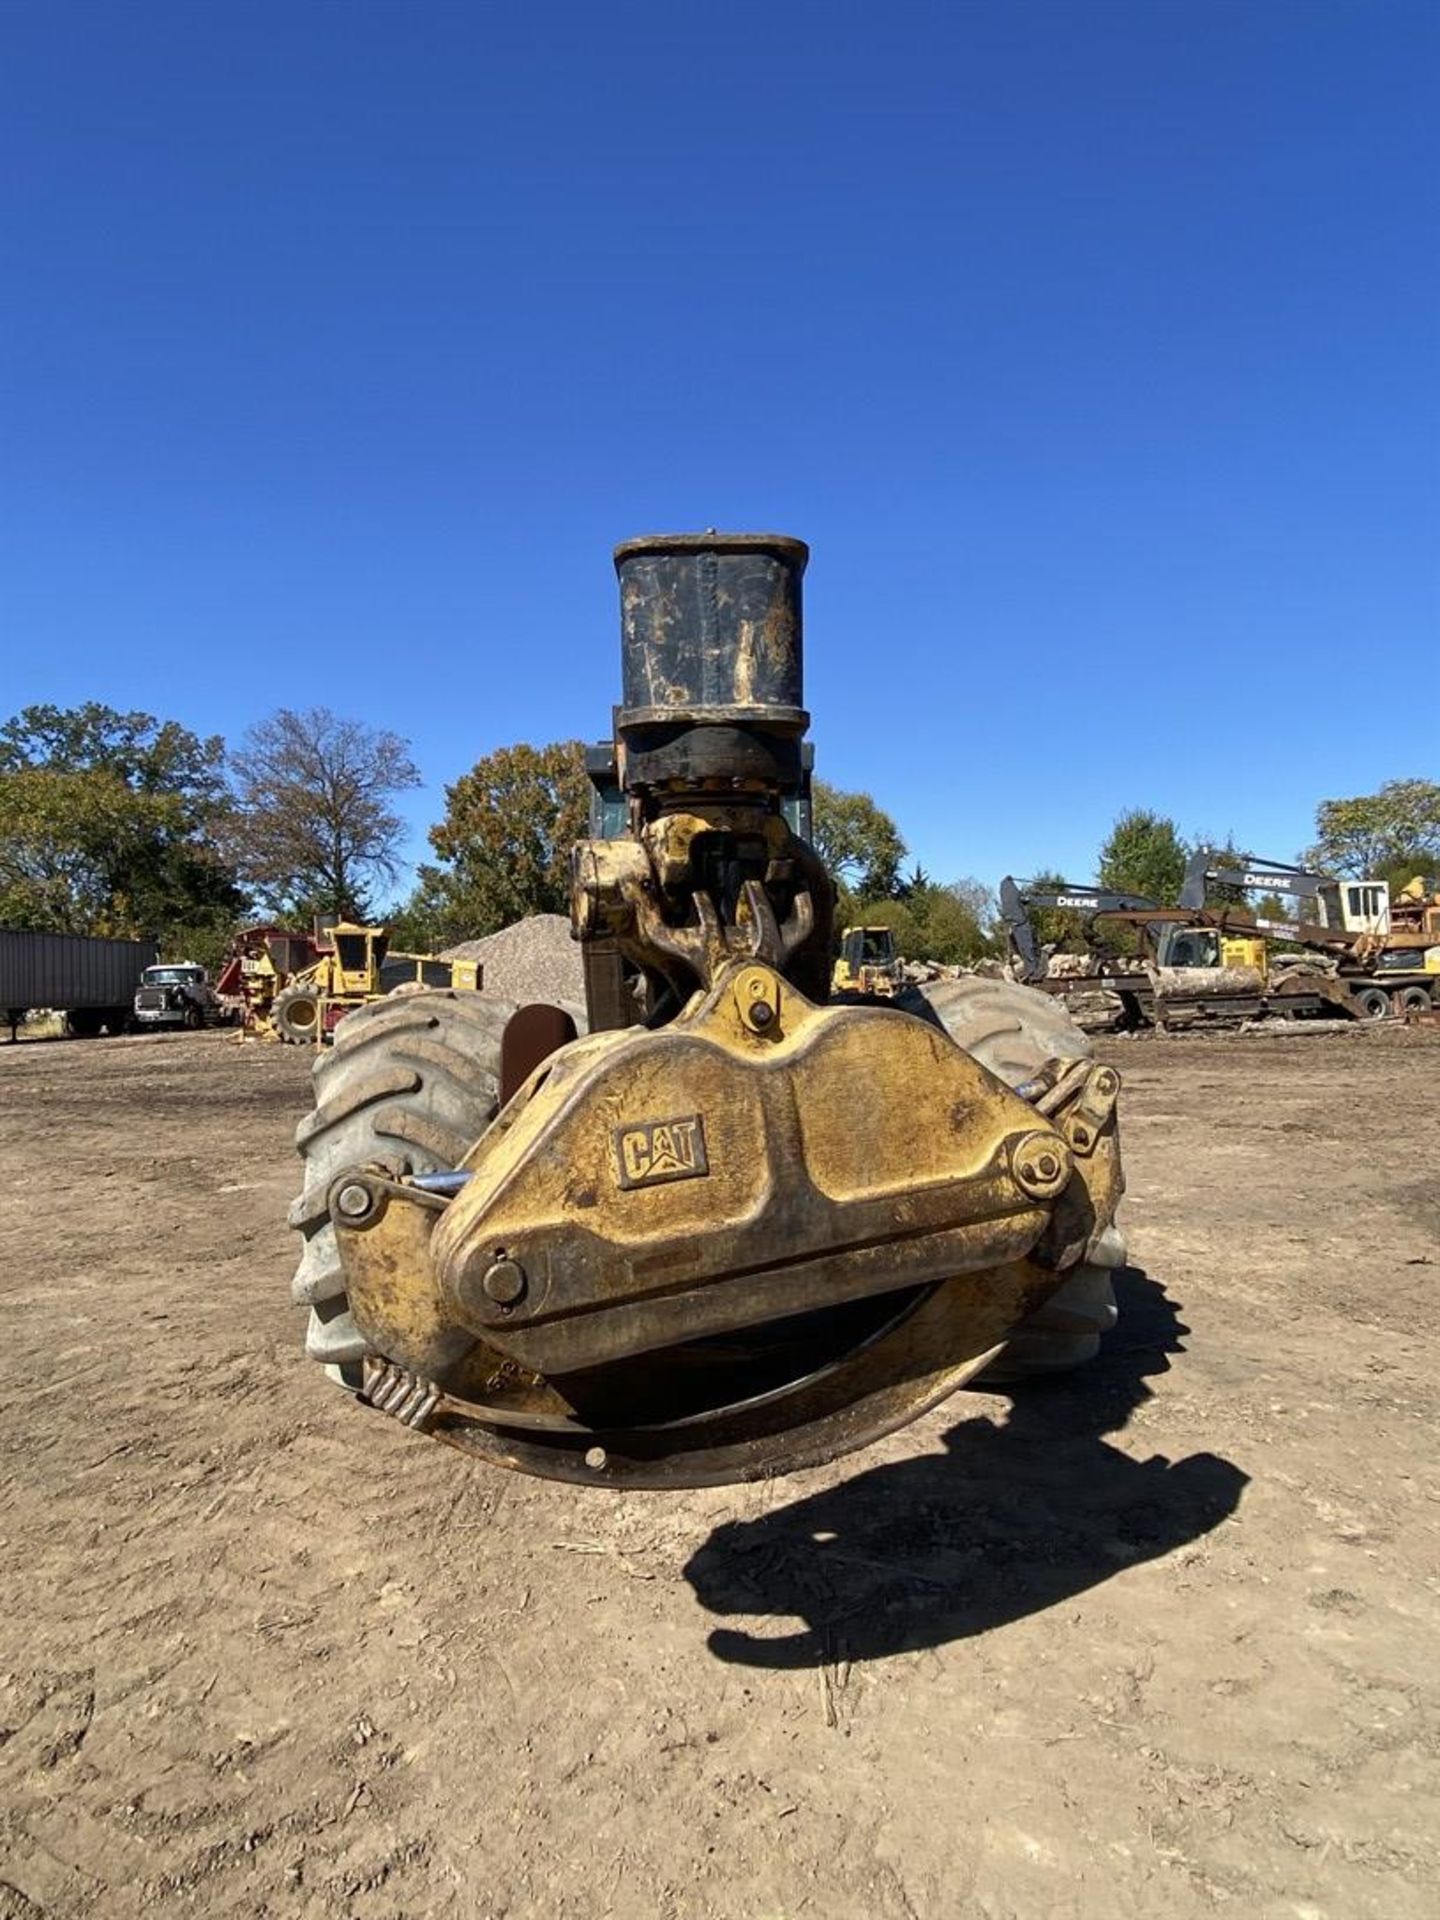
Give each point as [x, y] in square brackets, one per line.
[1154, 1641]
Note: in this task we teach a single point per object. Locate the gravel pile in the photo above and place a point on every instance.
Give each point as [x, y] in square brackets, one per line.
[534, 960]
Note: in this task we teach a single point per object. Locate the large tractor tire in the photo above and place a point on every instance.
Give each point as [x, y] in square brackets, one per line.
[296, 1014]
[410, 1082]
[1014, 1030]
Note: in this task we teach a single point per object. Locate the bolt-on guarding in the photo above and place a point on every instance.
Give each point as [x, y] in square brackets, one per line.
[1040, 1164]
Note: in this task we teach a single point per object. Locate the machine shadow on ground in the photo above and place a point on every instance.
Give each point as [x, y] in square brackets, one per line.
[1008, 1521]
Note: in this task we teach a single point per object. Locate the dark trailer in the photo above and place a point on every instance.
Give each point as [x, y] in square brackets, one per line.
[92, 982]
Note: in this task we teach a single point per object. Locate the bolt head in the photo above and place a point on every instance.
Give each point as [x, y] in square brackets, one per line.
[353, 1201]
[762, 1015]
[504, 1282]
[1040, 1167]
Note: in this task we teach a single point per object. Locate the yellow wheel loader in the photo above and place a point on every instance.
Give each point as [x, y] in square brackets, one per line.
[735, 1228]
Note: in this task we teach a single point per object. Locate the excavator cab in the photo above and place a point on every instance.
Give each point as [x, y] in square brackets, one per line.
[1209, 948]
[1364, 906]
[1191, 947]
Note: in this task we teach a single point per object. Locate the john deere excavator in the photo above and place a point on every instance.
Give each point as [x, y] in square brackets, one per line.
[734, 1228]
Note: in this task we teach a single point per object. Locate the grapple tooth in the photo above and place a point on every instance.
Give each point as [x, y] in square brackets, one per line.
[418, 1403]
[405, 1396]
[393, 1393]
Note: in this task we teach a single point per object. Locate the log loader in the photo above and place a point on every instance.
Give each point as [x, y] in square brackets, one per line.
[353, 965]
[1209, 962]
[735, 1227]
[297, 987]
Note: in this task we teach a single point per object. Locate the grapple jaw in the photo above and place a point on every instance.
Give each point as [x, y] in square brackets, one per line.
[745, 1242]
[734, 1230]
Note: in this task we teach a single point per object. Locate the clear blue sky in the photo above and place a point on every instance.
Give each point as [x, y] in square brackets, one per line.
[1092, 346]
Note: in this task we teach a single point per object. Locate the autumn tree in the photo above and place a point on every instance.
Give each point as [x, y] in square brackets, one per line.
[503, 847]
[314, 827]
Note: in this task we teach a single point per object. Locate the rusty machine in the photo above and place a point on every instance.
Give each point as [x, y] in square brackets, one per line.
[733, 1228]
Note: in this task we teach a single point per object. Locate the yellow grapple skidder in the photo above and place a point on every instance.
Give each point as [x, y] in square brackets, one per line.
[732, 1229]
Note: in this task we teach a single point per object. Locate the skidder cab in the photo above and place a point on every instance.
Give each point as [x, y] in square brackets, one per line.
[733, 1229]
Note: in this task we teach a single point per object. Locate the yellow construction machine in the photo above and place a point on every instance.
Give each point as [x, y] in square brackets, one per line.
[735, 1227]
[868, 963]
[354, 965]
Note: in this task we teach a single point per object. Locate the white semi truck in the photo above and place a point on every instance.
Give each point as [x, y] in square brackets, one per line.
[177, 993]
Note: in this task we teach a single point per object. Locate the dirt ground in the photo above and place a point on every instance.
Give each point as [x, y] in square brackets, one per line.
[1154, 1641]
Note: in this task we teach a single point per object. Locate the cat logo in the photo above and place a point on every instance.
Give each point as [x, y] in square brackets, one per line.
[661, 1150]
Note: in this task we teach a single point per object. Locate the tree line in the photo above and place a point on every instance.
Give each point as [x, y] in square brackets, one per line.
[124, 825]
[127, 825]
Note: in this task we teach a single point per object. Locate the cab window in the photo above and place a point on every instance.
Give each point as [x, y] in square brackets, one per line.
[1193, 950]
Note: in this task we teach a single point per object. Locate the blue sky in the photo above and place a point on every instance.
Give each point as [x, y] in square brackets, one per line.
[1091, 346]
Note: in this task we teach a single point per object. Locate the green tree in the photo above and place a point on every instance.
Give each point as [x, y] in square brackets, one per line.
[1274, 906]
[857, 840]
[915, 881]
[944, 924]
[1389, 835]
[313, 829]
[108, 825]
[894, 913]
[1144, 854]
[950, 923]
[504, 844]
[145, 754]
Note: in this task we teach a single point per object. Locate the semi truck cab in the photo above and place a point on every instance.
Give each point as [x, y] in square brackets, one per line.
[177, 994]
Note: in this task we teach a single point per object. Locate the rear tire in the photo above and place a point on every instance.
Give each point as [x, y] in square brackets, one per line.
[1415, 1000]
[412, 1083]
[1014, 1031]
[1371, 1003]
